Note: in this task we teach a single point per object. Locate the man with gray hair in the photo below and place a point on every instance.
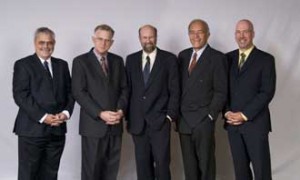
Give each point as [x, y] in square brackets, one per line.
[203, 76]
[99, 86]
[42, 90]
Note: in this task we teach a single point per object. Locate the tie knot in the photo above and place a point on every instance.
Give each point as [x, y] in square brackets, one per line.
[195, 55]
[243, 55]
[148, 59]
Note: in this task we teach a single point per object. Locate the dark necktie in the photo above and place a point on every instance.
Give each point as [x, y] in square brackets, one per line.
[193, 63]
[104, 66]
[46, 66]
[242, 60]
[146, 71]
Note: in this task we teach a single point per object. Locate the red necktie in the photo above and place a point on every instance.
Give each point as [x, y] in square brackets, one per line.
[193, 64]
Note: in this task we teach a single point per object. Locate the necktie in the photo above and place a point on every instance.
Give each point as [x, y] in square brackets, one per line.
[146, 71]
[242, 60]
[46, 66]
[104, 66]
[193, 63]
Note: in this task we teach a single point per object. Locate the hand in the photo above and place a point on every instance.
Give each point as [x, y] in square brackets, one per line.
[234, 118]
[110, 117]
[53, 120]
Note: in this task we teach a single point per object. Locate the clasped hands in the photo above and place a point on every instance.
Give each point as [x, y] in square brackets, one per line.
[111, 117]
[234, 118]
[55, 120]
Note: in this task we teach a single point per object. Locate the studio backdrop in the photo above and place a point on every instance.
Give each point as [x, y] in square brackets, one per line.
[277, 28]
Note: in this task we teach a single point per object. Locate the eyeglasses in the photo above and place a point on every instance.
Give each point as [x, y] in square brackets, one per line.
[47, 43]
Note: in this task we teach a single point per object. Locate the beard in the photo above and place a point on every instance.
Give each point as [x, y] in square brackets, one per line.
[149, 47]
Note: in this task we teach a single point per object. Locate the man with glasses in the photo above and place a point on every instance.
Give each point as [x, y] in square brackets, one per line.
[99, 86]
[42, 90]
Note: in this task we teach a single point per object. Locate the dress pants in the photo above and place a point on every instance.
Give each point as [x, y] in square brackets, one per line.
[101, 157]
[198, 152]
[152, 153]
[39, 157]
[250, 148]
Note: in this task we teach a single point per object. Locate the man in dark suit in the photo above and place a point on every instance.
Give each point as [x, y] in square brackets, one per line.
[153, 104]
[99, 86]
[252, 86]
[42, 90]
[203, 73]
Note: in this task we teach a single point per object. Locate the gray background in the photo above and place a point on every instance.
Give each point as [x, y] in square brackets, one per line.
[277, 27]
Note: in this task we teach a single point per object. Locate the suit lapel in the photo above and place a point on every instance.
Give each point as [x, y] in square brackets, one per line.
[248, 62]
[202, 63]
[95, 65]
[155, 69]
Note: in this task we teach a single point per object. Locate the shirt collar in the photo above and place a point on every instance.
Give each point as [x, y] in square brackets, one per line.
[98, 55]
[151, 55]
[247, 51]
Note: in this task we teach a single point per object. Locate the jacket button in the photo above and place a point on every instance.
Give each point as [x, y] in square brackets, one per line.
[144, 97]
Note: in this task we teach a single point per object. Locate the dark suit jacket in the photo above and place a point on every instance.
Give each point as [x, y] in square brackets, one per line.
[205, 91]
[252, 89]
[95, 92]
[37, 94]
[158, 98]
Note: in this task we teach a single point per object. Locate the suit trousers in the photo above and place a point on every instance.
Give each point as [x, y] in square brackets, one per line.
[198, 151]
[101, 157]
[152, 153]
[39, 157]
[250, 148]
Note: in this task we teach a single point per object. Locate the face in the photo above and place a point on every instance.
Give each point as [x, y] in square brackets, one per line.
[102, 41]
[244, 35]
[148, 39]
[44, 45]
[198, 34]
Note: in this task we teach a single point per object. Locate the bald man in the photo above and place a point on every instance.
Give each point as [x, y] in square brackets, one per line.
[252, 86]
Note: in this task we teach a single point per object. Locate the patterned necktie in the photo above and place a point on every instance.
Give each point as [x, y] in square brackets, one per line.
[146, 71]
[104, 66]
[46, 66]
[193, 63]
[242, 60]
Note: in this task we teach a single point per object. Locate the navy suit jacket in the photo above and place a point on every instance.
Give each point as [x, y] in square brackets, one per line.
[204, 92]
[36, 94]
[152, 102]
[251, 90]
[95, 92]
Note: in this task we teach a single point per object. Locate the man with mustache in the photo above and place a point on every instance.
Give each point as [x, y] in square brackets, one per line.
[252, 86]
[42, 90]
[153, 105]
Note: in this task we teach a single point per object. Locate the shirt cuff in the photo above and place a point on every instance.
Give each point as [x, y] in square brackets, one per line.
[66, 113]
[168, 117]
[210, 117]
[43, 118]
[244, 117]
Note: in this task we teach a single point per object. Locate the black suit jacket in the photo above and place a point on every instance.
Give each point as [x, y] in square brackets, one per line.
[152, 102]
[95, 92]
[251, 90]
[37, 94]
[204, 92]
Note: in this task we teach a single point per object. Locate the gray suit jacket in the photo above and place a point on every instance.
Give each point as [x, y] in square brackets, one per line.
[95, 92]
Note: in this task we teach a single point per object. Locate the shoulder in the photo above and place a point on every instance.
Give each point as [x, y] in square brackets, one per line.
[263, 54]
[114, 57]
[25, 60]
[185, 51]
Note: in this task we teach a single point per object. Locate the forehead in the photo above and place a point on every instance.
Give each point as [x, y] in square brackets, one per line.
[44, 36]
[103, 34]
[243, 25]
[147, 31]
[197, 26]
